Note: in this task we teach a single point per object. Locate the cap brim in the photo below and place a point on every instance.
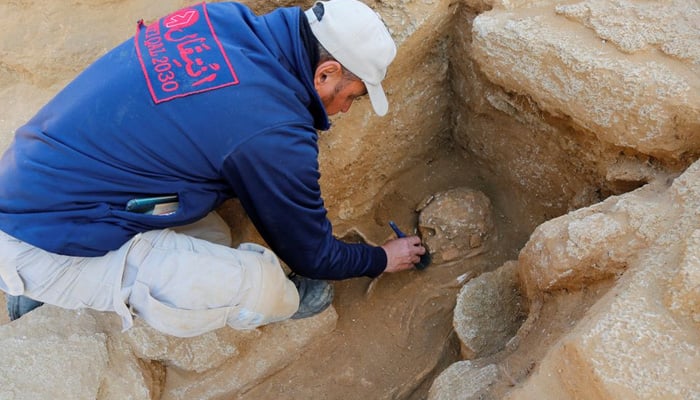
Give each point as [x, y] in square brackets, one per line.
[378, 98]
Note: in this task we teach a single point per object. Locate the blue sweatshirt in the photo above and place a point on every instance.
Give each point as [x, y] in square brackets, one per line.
[208, 103]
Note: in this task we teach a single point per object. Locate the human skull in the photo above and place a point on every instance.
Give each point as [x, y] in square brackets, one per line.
[455, 224]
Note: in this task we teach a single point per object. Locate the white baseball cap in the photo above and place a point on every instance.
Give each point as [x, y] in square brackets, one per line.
[357, 38]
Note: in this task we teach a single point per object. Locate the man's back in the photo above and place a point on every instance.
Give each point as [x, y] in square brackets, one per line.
[157, 115]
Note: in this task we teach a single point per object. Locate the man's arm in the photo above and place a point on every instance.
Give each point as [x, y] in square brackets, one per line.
[275, 176]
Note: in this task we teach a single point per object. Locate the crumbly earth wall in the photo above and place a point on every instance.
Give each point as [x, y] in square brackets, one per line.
[572, 102]
[557, 105]
[642, 338]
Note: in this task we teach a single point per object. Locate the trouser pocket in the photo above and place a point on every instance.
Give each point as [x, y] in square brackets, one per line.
[172, 320]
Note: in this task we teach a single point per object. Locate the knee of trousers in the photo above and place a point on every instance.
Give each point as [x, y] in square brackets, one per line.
[259, 293]
[275, 298]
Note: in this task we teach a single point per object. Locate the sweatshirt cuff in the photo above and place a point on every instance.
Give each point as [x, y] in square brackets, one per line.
[379, 261]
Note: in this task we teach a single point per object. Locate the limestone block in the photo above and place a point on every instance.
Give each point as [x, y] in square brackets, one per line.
[682, 205]
[683, 293]
[641, 339]
[53, 353]
[633, 26]
[277, 346]
[685, 193]
[27, 360]
[199, 353]
[644, 101]
[56, 353]
[4, 317]
[128, 376]
[456, 224]
[484, 5]
[546, 383]
[463, 381]
[523, 148]
[684, 290]
[589, 244]
[489, 312]
[630, 347]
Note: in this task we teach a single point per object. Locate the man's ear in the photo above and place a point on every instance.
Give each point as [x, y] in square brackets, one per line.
[327, 73]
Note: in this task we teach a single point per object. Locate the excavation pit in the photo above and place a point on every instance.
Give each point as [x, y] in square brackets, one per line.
[543, 108]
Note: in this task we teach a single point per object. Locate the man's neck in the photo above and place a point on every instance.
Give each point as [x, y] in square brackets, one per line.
[310, 42]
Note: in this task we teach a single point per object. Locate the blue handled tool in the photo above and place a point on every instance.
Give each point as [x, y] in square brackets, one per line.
[424, 259]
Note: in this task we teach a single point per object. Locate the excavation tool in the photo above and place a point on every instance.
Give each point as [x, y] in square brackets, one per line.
[424, 259]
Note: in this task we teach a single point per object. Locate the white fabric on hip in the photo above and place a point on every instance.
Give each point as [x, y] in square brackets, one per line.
[179, 284]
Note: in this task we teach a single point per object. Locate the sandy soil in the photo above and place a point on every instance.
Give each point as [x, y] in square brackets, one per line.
[394, 333]
[4, 318]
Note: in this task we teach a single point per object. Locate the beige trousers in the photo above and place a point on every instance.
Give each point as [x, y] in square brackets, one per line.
[183, 282]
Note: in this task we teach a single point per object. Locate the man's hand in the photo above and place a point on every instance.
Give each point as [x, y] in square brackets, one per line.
[402, 253]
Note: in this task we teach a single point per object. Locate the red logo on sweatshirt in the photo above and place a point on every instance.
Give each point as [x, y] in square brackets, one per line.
[181, 19]
[181, 55]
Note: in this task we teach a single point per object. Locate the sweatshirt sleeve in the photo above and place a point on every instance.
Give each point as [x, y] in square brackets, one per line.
[275, 175]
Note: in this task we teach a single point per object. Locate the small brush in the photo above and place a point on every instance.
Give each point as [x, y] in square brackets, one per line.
[424, 259]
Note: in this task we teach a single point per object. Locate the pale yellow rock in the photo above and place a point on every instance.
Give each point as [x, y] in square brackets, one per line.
[83, 355]
[684, 288]
[576, 249]
[640, 101]
[670, 26]
[275, 348]
[4, 317]
[485, 5]
[637, 340]
[27, 361]
[128, 376]
[595, 243]
[489, 312]
[524, 148]
[629, 348]
[463, 381]
[53, 353]
[199, 353]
